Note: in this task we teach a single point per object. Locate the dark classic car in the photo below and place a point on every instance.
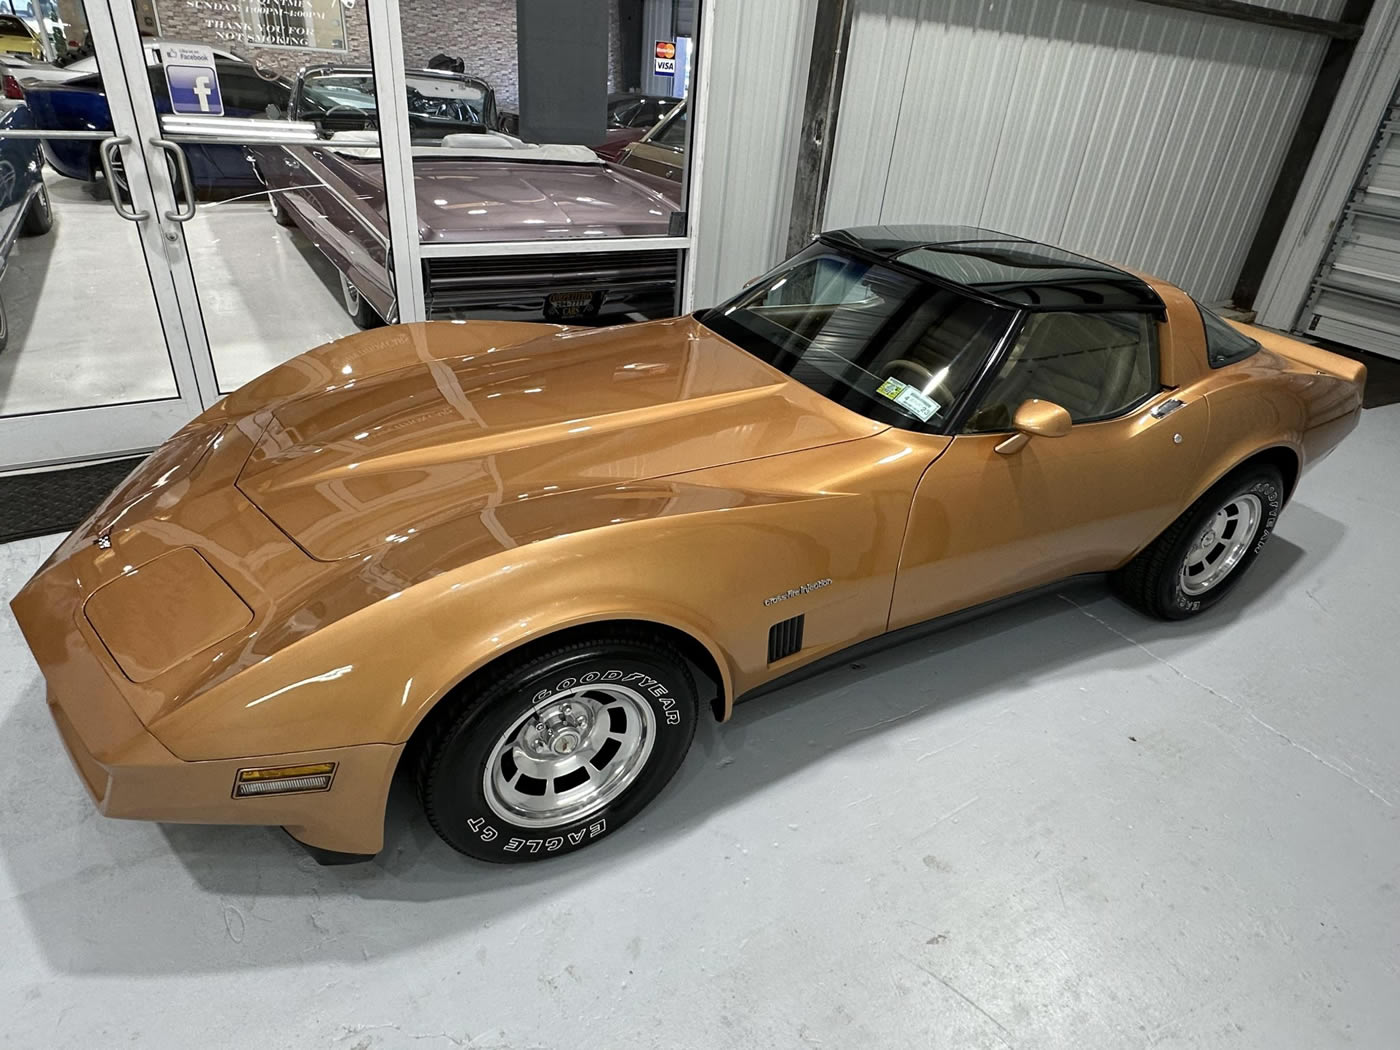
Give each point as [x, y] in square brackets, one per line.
[630, 116]
[475, 184]
[24, 200]
[80, 104]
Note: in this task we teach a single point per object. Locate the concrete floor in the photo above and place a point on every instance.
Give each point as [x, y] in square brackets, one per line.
[265, 294]
[1061, 826]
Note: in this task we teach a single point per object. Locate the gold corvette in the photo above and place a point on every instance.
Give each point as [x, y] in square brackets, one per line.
[513, 559]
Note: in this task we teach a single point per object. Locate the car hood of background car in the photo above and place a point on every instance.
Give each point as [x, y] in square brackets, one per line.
[374, 461]
[479, 198]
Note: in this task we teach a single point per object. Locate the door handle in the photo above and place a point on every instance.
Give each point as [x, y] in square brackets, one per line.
[184, 212]
[1167, 407]
[106, 150]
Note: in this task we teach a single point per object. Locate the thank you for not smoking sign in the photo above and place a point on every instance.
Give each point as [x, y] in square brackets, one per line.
[193, 79]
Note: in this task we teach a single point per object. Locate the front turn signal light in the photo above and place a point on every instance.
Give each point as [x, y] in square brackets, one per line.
[283, 780]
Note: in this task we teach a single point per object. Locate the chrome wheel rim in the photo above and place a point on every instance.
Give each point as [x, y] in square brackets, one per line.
[351, 294]
[1222, 544]
[570, 755]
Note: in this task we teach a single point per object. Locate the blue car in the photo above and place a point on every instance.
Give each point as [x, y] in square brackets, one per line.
[24, 201]
[80, 104]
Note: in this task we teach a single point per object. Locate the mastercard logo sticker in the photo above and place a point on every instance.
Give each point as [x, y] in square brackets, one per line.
[665, 49]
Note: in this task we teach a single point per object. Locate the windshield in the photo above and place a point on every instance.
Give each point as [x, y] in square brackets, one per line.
[672, 133]
[884, 343]
[437, 106]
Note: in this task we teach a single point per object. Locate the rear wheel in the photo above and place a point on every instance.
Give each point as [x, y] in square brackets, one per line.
[1205, 552]
[556, 750]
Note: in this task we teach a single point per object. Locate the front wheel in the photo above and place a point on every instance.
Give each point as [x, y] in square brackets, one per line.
[280, 215]
[38, 217]
[555, 751]
[1206, 551]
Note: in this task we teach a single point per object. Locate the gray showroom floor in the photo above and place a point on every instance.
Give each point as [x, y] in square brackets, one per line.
[84, 329]
[1061, 826]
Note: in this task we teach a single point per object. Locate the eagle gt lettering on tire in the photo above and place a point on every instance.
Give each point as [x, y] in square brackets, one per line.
[552, 750]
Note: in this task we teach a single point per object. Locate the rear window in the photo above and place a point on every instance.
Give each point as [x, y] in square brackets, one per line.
[1224, 345]
[11, 26]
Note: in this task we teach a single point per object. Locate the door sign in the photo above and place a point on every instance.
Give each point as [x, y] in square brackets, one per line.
[193, 79]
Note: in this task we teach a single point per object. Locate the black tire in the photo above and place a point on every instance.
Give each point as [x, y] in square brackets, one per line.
[280, 215]
[4, 327]
[465, 743]
[1153, 581]
[38, 217]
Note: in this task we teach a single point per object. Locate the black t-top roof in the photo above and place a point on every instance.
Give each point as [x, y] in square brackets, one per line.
[1013, 271]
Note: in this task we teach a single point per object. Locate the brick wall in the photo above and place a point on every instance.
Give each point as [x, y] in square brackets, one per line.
[480, 32]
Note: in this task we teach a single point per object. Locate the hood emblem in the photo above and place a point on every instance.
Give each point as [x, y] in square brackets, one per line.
[104, 541]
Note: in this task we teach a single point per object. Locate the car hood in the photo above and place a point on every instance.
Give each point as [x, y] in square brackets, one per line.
[374, 462]
[485, 200]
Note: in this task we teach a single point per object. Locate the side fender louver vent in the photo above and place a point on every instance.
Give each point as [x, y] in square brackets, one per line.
[784, 638]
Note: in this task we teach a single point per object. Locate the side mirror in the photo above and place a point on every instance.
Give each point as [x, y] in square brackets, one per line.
[1036, 418]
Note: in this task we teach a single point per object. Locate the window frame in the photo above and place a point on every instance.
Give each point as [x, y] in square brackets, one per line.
[978, 390]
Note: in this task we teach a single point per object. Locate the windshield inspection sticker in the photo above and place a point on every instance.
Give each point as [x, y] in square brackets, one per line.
[910, 399]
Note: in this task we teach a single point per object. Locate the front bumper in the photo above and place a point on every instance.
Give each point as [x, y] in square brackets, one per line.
[129, 774]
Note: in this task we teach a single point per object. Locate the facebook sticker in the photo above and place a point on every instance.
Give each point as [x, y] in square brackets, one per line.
[193, 80]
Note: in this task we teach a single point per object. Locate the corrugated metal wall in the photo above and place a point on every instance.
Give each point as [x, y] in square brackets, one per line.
[1356, 297]
[758, 77]
[1142, 134]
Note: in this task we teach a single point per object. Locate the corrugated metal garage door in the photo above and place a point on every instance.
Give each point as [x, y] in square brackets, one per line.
[1142, 134]
[1355, 299]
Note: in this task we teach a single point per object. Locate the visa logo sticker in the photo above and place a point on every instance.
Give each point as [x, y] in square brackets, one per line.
[664, 64]
[193, 80]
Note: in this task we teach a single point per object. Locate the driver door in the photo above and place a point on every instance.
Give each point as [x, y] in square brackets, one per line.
[986, 524]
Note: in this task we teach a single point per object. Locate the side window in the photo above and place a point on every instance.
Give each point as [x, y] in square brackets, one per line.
[1224, 345]
[1094, 365]
[620, 113]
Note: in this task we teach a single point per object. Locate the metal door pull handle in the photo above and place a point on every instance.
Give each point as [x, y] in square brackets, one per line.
[105, 151]
[183, 212]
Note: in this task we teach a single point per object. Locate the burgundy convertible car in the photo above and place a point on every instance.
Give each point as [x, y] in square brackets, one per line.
[474, 184]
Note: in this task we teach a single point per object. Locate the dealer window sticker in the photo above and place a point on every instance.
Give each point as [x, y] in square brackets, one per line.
[909, 398]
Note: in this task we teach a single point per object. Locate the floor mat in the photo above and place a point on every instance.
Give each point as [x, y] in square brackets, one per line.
[56, 500]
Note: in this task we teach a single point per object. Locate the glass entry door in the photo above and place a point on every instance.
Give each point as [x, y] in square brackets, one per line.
[94, 358]
[273, 134]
